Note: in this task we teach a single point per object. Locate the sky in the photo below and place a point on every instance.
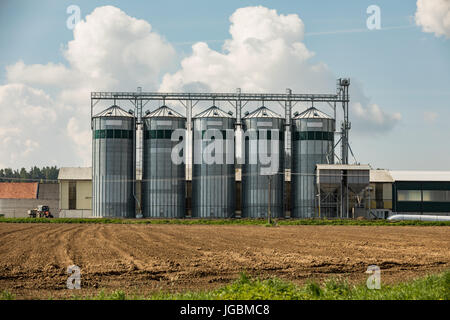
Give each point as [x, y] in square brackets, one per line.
[400, 73]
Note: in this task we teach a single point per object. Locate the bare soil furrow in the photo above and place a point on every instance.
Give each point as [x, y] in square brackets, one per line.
[146, 258]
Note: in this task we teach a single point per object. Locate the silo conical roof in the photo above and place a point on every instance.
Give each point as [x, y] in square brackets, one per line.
[213, 112]
[262, 112]
[114, 111]
[164, 111]
[312, 113]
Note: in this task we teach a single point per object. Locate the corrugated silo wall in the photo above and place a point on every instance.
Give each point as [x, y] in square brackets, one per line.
[311, 145]
[255, 184]
[164, 182]
[213, 185]
[113, 167]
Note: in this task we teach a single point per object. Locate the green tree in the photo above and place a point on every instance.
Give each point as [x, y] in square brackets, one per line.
[23, 174]
[35, 174]
[8, 174]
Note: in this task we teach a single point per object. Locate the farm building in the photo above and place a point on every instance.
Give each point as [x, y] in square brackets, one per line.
[421, 192]
[414, 192]
[16, 198]
[75, 188]
[380, 199]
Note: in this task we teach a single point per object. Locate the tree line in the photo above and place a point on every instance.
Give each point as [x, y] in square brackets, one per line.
[34, 174]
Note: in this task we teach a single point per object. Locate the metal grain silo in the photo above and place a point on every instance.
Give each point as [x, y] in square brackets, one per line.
[312, 143]
[213, 184]
[163, 184]
[263, 127]
[113, 163]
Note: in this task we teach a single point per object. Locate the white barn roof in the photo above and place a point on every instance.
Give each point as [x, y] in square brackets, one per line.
[343, 166]
[400, 175]
[380, 176]
[75, 173]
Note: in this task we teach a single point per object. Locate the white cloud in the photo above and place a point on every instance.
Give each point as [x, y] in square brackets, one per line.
[110, 51]
[80, 138]
[45, 107]
[368, 118]
[7, 132]
[430, 116]
[121, 50]
[374, 118]
[25, 107]
[44, 75]
[266, 53]
[434, 16]
[27, 127]
[30, 145]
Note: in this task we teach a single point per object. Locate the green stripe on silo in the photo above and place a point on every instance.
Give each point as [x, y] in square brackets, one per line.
[158, 134]
[314, 135]
[113, 134]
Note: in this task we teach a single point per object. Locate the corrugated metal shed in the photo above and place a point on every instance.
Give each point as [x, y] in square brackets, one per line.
[113, 111]
[380, 176]
[18, 190]
[213, 112]
[164, 111]
[75, 173]
[262, 112]
[420, 175]
[312, 113]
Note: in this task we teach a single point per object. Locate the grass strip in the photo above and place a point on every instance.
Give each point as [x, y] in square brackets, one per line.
[432, 287]
[188, 221]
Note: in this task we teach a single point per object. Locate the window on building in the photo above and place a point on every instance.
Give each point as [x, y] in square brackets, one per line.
[409, 195]
[72, 195]
[436, 195]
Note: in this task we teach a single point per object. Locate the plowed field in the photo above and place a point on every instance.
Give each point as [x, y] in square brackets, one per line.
[146, 258]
